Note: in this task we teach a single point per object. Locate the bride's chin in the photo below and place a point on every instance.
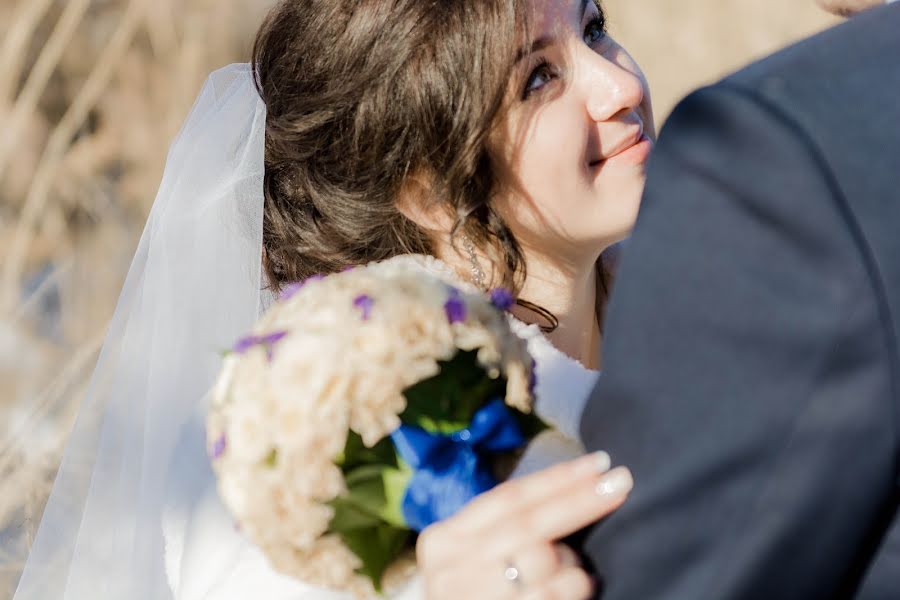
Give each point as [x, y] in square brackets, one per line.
[619, 226]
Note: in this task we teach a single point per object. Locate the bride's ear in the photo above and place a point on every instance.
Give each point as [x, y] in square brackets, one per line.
[417, 203]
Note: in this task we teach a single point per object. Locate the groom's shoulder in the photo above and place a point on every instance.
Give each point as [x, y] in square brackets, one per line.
[854, 52]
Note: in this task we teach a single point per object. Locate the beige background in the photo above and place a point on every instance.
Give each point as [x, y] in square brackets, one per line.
[682, 44]
[91, 93]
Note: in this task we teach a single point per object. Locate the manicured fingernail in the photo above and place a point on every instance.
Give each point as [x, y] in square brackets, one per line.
[602, 461]
[594, 463]
[616, 482]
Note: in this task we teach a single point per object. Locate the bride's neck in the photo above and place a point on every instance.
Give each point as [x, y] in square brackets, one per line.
[570, 293]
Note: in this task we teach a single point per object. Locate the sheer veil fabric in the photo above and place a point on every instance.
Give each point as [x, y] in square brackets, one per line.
[196, 283]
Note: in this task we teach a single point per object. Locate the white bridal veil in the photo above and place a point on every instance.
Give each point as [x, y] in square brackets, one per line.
[195, 285]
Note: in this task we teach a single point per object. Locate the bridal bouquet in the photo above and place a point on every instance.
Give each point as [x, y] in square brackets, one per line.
[363, 407]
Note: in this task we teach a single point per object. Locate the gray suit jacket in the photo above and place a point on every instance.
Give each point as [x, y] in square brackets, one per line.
[752, 376]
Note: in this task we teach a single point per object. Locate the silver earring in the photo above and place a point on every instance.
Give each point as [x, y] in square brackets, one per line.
[477, 272]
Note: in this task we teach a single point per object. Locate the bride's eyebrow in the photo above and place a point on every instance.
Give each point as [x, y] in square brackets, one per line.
[545, 41]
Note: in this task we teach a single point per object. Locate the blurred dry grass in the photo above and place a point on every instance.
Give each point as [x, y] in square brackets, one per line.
[682, 45]
[91, 92]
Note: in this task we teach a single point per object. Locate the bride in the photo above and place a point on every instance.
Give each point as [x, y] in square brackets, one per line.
[499, 142]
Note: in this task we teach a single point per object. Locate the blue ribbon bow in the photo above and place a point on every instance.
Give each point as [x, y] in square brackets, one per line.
[449, 470]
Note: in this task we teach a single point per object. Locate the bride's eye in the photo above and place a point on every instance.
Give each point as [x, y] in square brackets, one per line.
[540, 76]
[595, 30]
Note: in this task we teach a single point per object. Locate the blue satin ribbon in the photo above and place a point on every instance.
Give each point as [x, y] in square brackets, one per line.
[451, 469]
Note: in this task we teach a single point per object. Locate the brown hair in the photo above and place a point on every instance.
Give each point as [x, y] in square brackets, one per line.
[361, 96]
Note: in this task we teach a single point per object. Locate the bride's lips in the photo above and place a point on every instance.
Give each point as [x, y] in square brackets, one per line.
[634, 152]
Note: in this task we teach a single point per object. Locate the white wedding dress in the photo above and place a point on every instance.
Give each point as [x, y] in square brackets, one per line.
[207, 559]
[134, 511]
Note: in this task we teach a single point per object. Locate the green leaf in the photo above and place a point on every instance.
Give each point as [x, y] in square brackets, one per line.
[447, 402]
[369, 518]
[531, 424]
[376, 543]
[396, 482]
[357, 454]
[377, 547]
[365, 489]
[379, 492]
[350, 517]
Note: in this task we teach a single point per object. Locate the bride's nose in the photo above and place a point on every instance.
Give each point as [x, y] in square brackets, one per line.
[610, 88]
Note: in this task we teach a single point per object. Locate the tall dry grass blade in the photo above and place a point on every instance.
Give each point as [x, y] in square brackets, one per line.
[59, 141]
[23, 479]
[18, 34]
[40, 74]
[72, 372]
[161, 29]
[28, 304]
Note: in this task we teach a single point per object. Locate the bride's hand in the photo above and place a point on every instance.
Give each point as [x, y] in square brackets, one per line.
[504, 543]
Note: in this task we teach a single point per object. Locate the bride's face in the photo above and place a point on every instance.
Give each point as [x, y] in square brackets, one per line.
[576, 137]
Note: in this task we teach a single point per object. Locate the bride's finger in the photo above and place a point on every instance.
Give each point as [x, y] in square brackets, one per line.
[503, 503]
[544, 562]
[572, 584]
[540, 563]
[582, 507]
[563, 514]
[567, 557]
[513, 515]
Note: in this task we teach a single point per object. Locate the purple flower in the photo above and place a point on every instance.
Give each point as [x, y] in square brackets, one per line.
[348, 268]
[365, 303]
[291, 290]
[218, 448]
[252, 341]
[455, 308]
[502, 298]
